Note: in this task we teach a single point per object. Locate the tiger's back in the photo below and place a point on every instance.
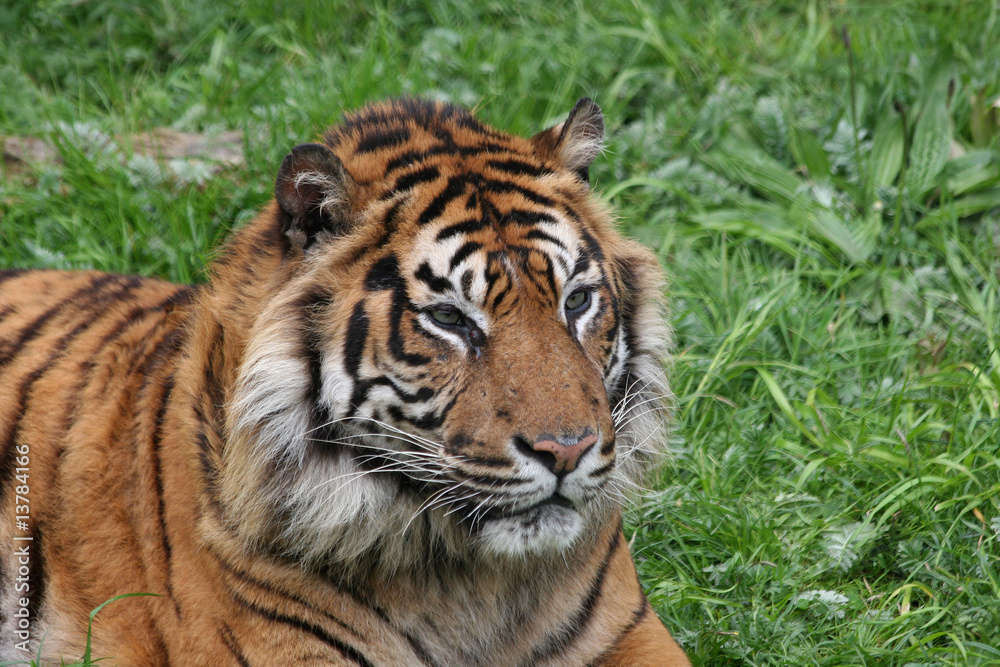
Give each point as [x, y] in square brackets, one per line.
[81, 356]
[392, 429]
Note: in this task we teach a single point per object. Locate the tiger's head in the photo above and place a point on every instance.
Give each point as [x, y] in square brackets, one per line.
[455, 353]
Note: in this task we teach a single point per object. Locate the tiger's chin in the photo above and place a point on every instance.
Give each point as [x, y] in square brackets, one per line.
[544, 528]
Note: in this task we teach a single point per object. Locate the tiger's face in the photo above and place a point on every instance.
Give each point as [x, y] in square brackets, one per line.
[464, 353]
[500, 346]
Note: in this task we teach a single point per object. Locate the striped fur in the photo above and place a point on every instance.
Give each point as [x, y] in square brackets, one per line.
[395, 428]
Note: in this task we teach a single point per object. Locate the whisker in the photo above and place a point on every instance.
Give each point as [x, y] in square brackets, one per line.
[423, 506]
[388, 450]
[352, 476]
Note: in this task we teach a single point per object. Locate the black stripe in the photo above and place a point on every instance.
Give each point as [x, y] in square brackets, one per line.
[489, 462]
[230, 641]
[581, 265]
[547, 289]
[542, 236]
[208, 469]
[413, 179]
[8, 274]
[447, 147]
[33, 330]
[436, 283]
[272, 591]
[467, 249]
[466, 281]
[596, 252]
[383, 138]
[133, 316]
[453, 190]
[312, 343]
[363, 600]
[574, 627]
[384, 274]
[422, 395]
[522, 216]
[495, 270]
[397, 346]
[342, 647]
[444, 135]
[518, 167]
[612, 360]
[637, 616]
[640, 613]
[469, 122]
[354, 347]
[550, 276]
[166, 348]
[606, 468]
[507, 186]
[461, 227]
[213, 366]
[486, 462]
[389, 224]
[6, 312]
[138, 313]
[422, 653]
[485, 147]
[428, 421]
[161, 413]
[616, 318]
[432, 337]
[354, 342]
[499, 297]
[390, 221]
[362, 387]
[407, 159]
[489, 483]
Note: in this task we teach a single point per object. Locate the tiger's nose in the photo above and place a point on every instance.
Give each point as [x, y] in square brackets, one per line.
[566, 456]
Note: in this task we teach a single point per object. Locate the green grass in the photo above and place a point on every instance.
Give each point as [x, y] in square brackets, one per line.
[828, 209]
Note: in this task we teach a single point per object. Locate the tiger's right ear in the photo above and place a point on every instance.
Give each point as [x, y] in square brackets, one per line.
[313, 191]
[576, 142]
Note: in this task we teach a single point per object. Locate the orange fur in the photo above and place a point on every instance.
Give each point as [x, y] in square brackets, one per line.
[307, 461]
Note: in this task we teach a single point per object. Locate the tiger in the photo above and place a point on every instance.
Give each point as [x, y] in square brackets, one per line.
[396, 425]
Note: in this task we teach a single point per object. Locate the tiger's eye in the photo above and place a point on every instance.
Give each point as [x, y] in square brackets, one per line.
[447, 316]
[577, 299]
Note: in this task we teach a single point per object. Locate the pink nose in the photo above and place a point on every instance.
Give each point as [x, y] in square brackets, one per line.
[566, 455]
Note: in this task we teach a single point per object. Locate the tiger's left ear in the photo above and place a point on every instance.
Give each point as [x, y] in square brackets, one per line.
[313, 192]
[576, 142]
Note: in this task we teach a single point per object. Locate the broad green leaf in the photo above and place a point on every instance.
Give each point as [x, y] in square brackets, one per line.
[960, 208]
[929, 152]
[887, 151]
[972, 171]
[790, 194]
[742, 163]
[809, 153]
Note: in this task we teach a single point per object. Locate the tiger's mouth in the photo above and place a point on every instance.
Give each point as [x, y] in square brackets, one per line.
[556, 500]
[550, 525]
